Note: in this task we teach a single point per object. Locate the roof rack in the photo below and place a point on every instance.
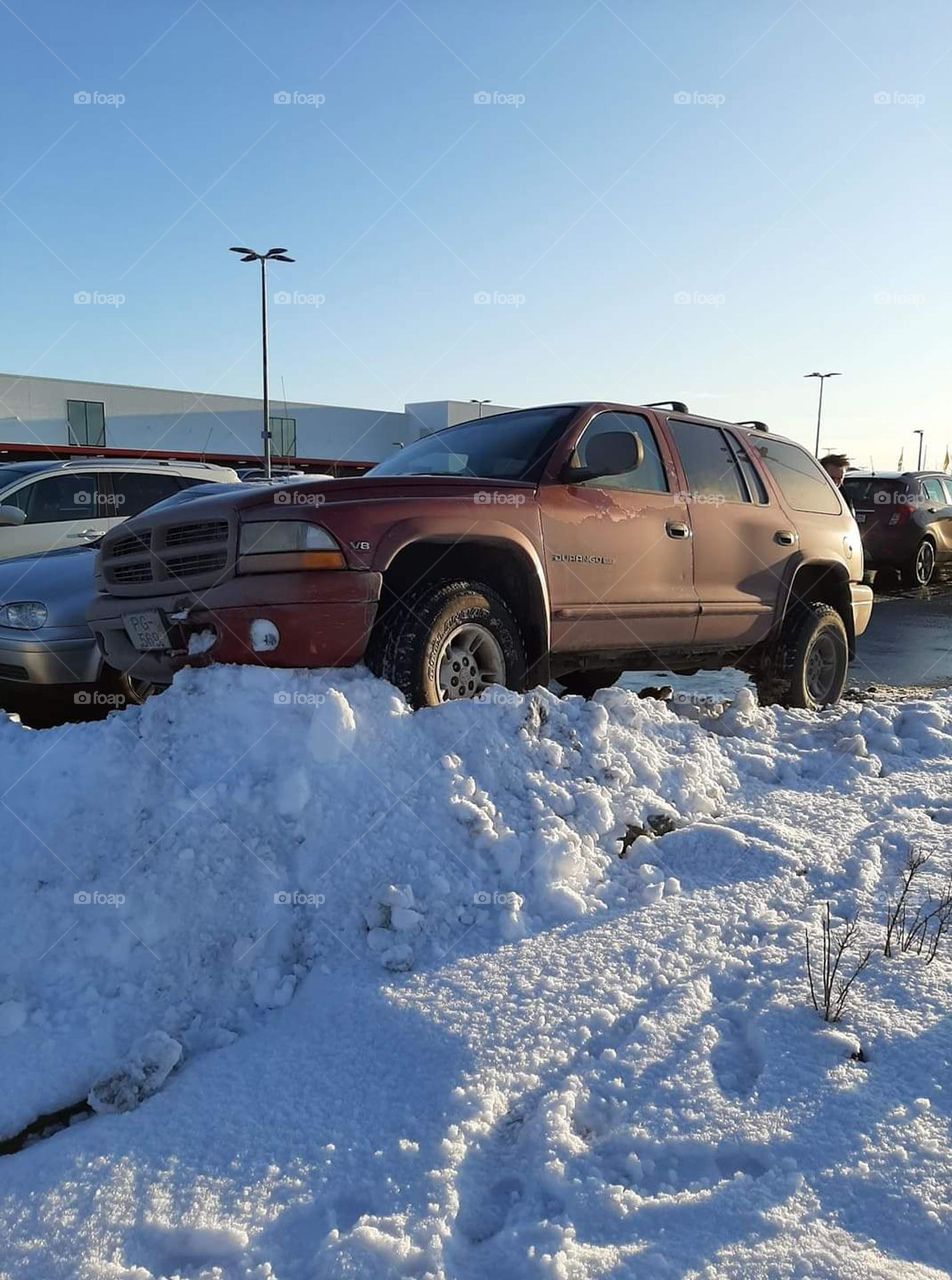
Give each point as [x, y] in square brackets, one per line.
[753, 422]
[678, 406]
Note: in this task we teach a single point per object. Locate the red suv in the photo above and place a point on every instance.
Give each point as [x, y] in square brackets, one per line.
[571, 542]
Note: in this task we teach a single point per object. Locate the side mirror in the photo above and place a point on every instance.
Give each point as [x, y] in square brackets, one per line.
[611, 454]
[11, 517]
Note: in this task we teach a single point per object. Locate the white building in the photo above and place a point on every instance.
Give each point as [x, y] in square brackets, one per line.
[43, 416]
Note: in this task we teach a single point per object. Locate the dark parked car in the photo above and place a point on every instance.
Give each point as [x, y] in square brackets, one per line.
[905, 519]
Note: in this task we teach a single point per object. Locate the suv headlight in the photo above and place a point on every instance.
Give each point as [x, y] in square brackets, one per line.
[25, 615]
[274, 546]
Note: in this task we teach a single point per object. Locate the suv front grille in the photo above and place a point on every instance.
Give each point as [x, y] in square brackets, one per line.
[165, 556]
[186, 535]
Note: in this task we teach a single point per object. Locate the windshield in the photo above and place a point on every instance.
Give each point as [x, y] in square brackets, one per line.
[10, 475]
[504, 446]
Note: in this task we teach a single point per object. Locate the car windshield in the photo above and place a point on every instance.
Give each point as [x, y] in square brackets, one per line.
[503, 446]
[10, 475]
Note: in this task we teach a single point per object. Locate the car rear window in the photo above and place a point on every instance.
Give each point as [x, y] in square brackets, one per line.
[799, 477]
[870, 491]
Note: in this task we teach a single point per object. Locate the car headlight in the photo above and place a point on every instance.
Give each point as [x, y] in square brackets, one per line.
[25, 615]
[273, 546]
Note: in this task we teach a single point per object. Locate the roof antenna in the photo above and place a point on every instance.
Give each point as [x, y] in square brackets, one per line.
[207, 439]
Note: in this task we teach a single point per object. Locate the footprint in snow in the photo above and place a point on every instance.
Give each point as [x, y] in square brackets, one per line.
[736, 1059]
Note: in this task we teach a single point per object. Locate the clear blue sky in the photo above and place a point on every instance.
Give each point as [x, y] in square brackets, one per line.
[802, 223]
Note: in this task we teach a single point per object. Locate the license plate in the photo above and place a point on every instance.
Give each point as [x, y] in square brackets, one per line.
[146, 630]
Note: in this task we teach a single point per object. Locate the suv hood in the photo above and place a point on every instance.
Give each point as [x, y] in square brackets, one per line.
[281, 497]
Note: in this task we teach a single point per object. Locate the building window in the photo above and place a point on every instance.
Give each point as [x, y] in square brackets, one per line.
[284, 437]
[86, 422]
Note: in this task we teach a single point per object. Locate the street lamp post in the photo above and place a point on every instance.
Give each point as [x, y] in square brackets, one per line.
[479, 406]
[921, 434]
[273, 255]
[819, 408]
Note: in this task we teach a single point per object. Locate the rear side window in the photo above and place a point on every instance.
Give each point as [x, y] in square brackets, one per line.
[933, 488]
[709, 463]
[799, 477]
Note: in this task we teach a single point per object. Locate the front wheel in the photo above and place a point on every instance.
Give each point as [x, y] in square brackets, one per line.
[920, 570]
[810, 665]
[448, 641]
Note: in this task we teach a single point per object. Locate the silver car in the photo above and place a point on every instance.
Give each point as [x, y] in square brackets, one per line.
[46, 505]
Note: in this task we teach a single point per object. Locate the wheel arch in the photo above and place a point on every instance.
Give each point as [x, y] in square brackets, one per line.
[822, 582]
[503, 562]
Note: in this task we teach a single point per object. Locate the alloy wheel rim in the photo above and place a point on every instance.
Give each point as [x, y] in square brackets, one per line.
[925, 563]
[469, 660]
[822, 668]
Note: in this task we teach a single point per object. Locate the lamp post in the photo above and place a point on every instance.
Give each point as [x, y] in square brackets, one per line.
[819, 408]
[919, 432]
[273, 255]
[479, 406]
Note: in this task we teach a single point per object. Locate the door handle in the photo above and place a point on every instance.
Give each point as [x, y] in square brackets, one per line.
[677, 529]
[786, 537]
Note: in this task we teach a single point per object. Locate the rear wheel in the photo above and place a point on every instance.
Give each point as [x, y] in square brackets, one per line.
[811, 663]
[448, 641]
[920, 570]
[587, 683]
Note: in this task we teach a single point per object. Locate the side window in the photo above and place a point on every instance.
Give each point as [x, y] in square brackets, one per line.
[709, 462]
[798, 476]
[649, 477]
[947, 490]
[755, 486]
[133, 491]
[62, 497]
[934, 492]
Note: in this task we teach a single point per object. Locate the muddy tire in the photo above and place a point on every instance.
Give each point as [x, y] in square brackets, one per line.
[447, 641]
[811, 661]
[587, 683]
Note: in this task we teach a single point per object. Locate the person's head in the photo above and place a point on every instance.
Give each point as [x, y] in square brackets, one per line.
[835, 464]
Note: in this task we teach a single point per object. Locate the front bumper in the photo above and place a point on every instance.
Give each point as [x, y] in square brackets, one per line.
[861, 603]
[323, 619]
[48, 657]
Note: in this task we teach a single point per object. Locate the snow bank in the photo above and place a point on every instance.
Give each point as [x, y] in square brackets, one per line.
[458, 1034]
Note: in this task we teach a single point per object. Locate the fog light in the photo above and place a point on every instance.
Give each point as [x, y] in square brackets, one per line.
[265, 636]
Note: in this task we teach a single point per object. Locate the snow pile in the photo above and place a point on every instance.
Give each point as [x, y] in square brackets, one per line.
[513, 989]
[179, 868]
